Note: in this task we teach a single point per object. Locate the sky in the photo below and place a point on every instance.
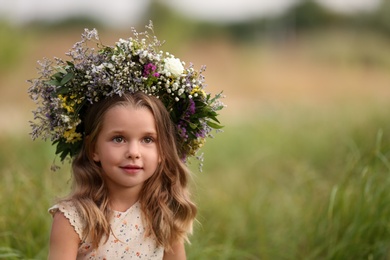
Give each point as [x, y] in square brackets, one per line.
[119, 13]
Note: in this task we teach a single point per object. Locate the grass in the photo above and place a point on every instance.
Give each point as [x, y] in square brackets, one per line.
[278, 191]
[27, 188]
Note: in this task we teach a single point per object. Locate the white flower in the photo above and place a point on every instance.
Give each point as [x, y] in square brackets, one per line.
[110, 66]
[65, 118]
[173, 66]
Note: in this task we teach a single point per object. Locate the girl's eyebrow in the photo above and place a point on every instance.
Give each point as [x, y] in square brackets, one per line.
[123, 131]
[115, 131]
[151, 133]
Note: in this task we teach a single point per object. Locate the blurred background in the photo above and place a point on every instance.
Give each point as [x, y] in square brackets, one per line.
[301, 170]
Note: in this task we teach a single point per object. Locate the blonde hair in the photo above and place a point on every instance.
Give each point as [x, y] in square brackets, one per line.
[165, 200]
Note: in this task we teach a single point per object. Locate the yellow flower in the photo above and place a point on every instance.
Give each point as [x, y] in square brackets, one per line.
[198, 90]
[71, 136]
[196, 144]
[68, 108]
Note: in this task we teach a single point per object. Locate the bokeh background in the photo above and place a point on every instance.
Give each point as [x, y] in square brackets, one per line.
[302, 168]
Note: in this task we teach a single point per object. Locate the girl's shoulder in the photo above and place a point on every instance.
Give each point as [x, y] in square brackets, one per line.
[70, 211]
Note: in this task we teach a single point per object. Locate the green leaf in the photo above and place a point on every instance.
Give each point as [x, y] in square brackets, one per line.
[57, 75]
[218, 108]
[62, 149]
[53, 82]
[63, 90]
[60, 146]
[214, 125]
[214, 118]
[212, 113]
[63, 155]
[61, 70]
[67, 78]
[192, 125]
[70, 64]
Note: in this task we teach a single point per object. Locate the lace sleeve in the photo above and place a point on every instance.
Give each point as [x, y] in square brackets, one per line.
[71, 213]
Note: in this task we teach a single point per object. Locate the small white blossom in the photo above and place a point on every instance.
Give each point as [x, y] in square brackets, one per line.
[65, 118]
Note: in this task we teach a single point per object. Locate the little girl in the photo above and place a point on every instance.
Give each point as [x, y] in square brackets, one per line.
[128, 117]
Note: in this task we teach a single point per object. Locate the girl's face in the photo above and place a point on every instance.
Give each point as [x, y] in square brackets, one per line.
[127, 147]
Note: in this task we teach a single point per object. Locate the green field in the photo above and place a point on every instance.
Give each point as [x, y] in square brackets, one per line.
[301, 171]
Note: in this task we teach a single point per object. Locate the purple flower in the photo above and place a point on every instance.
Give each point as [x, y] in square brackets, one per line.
[182, 130]
[149, 69]
[201, 133]
[191, 107]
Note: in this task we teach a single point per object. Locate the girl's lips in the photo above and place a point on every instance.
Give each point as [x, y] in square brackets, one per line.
[131, 168]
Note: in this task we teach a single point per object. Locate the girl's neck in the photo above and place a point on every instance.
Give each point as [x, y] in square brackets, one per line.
[123, 200]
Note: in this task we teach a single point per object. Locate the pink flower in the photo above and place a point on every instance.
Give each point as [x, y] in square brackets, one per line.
[150, 69]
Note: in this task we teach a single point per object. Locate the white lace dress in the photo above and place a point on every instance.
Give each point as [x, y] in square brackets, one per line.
[126, 241]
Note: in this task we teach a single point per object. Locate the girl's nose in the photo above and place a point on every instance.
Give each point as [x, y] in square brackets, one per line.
[133, 150]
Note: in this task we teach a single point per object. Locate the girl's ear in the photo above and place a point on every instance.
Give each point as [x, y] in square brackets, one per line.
[95, 157]
[92, 151]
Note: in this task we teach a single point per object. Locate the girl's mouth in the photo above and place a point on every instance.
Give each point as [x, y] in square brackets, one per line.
[131, 168]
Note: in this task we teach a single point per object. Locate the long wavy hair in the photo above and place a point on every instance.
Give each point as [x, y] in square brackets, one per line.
[167, 209]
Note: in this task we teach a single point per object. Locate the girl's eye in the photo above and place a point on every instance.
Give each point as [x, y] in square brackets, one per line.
[118, 139]
[148, 140]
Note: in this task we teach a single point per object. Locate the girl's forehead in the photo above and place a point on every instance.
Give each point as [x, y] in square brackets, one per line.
[128, 108]
[128, 114]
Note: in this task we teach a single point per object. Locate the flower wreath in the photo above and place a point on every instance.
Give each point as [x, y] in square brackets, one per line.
[65, 89]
